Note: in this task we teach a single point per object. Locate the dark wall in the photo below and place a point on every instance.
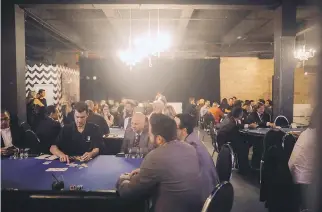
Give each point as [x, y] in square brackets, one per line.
[176, 79]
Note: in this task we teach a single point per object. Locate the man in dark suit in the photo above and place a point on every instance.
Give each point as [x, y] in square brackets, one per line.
[169, 174]
[42, 95]
[229, 132]
[260, 117]
[96, 118]
[185, 126]
[11, 134]
[48, 129]
[137, 136]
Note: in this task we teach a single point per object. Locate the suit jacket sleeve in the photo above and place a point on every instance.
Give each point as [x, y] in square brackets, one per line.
[144, 182]
[105, 128]
[125, 143]
[97, 138]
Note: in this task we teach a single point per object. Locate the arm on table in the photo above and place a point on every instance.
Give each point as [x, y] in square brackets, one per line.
[54, 149]
[141, 183]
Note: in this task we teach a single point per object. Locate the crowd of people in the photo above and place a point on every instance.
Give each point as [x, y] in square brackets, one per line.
[176, 159]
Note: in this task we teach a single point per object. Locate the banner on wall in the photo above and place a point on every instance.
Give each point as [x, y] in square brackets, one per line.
[49, 88]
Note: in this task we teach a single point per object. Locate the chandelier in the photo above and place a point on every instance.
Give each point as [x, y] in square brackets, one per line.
[145, 46]
[303, 55]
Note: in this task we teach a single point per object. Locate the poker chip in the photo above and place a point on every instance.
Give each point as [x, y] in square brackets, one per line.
[72, 187]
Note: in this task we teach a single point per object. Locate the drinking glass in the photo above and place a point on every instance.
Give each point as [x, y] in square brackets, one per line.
[129, 153]
[26, 153]
[21, 153]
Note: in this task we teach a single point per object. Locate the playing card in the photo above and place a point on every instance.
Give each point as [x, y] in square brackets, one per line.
[53, 157]
[46, 163]
[56, 169]
[42, 157]
[72, 165]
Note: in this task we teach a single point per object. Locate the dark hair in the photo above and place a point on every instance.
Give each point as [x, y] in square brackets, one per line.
[237, 103]
[270, 102]
[164, 126]
[236, 112]
[262, 101]
[258, 105]
[224, 101]
[247, 102]
[40, 91]
[50, 109]
[81, 107]
[186, 121]
[234, 97]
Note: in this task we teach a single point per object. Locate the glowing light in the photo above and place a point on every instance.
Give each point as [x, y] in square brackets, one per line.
[94, 78]
[302, 54]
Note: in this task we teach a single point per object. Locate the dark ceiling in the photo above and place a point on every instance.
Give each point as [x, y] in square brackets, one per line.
[197, 31]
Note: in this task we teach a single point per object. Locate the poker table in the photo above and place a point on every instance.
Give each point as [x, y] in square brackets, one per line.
[261, 132]
[24, 181]
[113, 143]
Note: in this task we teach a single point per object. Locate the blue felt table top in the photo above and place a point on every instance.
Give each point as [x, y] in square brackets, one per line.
[102, 173]
[263, 131]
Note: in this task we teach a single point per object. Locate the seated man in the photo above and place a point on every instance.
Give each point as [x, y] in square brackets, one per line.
[128, 113]
[48, 129]
[96, 118]
[80, 138]
[11, 134]
[260, 117]
[137, 135]
[169, 174]
[229, 132]
[185, 125]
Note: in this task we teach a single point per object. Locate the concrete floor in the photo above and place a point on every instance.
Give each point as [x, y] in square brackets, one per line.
[246, 189]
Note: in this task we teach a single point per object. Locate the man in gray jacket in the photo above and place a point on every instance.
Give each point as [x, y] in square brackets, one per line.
[185, 126]
[169, 174]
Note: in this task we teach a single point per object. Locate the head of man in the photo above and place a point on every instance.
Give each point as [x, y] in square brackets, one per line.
[158, 107]
[90, 104]
[238, 103]
[185, 125]
[268, 103]
[207, 103]
[260, 108]
[129, 107]
[52, 112]
[192, 100]
[215, 105]
[138, 122]
[162, 129]
[81, 114]
[230, 101]
[42, 93]
[5, 119]
[237, 113]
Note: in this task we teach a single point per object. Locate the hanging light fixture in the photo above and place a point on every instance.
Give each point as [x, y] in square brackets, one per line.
[303, 54]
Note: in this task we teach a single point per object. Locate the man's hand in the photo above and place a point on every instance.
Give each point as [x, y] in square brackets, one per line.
[64, 158]
[134, 172]
[253, 125]
[271, 125]
[87, 156]
[4, 151]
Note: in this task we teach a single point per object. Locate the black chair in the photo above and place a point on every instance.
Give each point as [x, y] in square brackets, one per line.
[25, 126]
[32, 141]
[224, 164]
[221, 199]
[281, 121]
[288, 143]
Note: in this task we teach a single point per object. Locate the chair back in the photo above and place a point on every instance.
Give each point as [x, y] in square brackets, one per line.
[221, 199]
[282, 121]
[32, 141]
[273, 137]
[224, 163]
[25, 126]
[288, 144]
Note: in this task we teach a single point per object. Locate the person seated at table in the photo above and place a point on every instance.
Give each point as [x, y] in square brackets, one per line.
[97, 119]
[260, 117]
[185, 125]
[48, 128]
[137, 136]
[128, 113]
[11, 134]
[169, 174]
[109, 118]
[216, 112]
[303, 157]
[229, 132]
[80, 138]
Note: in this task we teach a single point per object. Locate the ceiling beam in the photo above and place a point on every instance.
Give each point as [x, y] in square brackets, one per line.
[186, 14]
[56, 26]
[152, 6]
[243, 27]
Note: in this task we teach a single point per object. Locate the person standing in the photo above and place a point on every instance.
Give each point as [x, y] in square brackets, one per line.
[41, 97]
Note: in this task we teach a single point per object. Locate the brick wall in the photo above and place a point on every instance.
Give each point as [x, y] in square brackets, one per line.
[251, 78]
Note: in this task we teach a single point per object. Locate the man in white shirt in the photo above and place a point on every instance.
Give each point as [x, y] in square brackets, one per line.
[10, 134]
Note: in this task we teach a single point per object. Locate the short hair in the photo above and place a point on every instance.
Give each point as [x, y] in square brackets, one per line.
[50, 109]
[164, 126]
[81, 107]
[262, 101]
[90, 104]
[186, 121]
[270, 102]
[234, 97]
[258, 105]
[40, 91]
[238, 103]
[236, 112]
